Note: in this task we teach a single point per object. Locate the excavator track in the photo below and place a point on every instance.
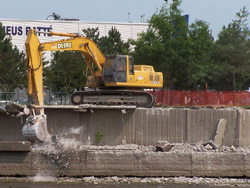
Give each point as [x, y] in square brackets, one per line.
[113, 97]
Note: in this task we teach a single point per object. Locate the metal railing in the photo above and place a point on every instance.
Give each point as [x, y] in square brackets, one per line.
[55, 98]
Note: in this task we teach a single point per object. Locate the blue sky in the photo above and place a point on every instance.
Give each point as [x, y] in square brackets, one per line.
[215, 12]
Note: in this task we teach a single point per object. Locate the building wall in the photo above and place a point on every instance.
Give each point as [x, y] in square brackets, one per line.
[18, 29]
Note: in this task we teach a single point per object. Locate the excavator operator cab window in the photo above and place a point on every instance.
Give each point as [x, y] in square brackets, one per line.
[121, 64]
[109, 69]
[115, 69]
[121, 69]
[131, 66]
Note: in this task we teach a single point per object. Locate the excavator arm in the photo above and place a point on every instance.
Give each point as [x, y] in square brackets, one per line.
[35, 127]
[87, 47]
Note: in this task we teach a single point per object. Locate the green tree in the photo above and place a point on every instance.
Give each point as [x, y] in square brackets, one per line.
[66, 72]
[172, 48]
[112, 44]
[201, 45]
[93, 34]
[231, 55]
[12, 65]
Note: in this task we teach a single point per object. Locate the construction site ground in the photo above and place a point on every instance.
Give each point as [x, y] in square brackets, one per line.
[121, 182]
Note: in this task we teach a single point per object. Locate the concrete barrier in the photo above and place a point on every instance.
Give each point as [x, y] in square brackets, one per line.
[219, 165]
[141, 126]
[244, 127]
[130, 163]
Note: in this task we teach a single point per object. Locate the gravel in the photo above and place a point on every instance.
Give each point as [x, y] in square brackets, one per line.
[229, 182]
[66, 145]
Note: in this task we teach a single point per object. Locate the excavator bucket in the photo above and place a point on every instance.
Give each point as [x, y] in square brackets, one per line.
[35, 129]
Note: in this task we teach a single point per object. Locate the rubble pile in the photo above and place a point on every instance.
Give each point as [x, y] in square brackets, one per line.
[192, 148]
[228, 182]
[68, 145]
[66, 151]
[163, 180]
[60, 159]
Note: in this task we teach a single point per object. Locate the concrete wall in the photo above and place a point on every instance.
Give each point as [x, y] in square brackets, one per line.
[11, 128]
[142, 126]
[125, 163]
[244, 122]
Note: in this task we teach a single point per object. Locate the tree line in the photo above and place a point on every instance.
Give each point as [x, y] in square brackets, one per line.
[189, 57]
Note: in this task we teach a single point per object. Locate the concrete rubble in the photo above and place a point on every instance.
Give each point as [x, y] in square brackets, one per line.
[65, 145]
[163, 146]
[72, 143]
[163, 180]
[70, 157]
[111, 180]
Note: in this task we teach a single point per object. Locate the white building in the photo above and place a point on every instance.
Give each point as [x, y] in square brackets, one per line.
[18, 29]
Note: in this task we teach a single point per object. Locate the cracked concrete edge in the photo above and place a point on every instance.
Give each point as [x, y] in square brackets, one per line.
[220, 132]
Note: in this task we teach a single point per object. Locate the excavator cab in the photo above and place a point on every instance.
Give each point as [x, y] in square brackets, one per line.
[116, 69]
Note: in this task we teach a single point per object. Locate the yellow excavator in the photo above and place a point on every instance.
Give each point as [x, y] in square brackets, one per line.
[114, 80]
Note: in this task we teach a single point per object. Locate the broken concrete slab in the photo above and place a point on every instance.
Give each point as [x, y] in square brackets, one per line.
[220, 132]
[163, 146]
[14, 108]
[15, 146]
[210, 143]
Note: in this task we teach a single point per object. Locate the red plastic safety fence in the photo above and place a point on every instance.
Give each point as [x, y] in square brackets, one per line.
[202, 98]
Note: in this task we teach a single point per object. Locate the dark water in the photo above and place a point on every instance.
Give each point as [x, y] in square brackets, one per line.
[81, 185]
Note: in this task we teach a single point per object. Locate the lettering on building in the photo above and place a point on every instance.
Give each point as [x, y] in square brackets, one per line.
[20, 30]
